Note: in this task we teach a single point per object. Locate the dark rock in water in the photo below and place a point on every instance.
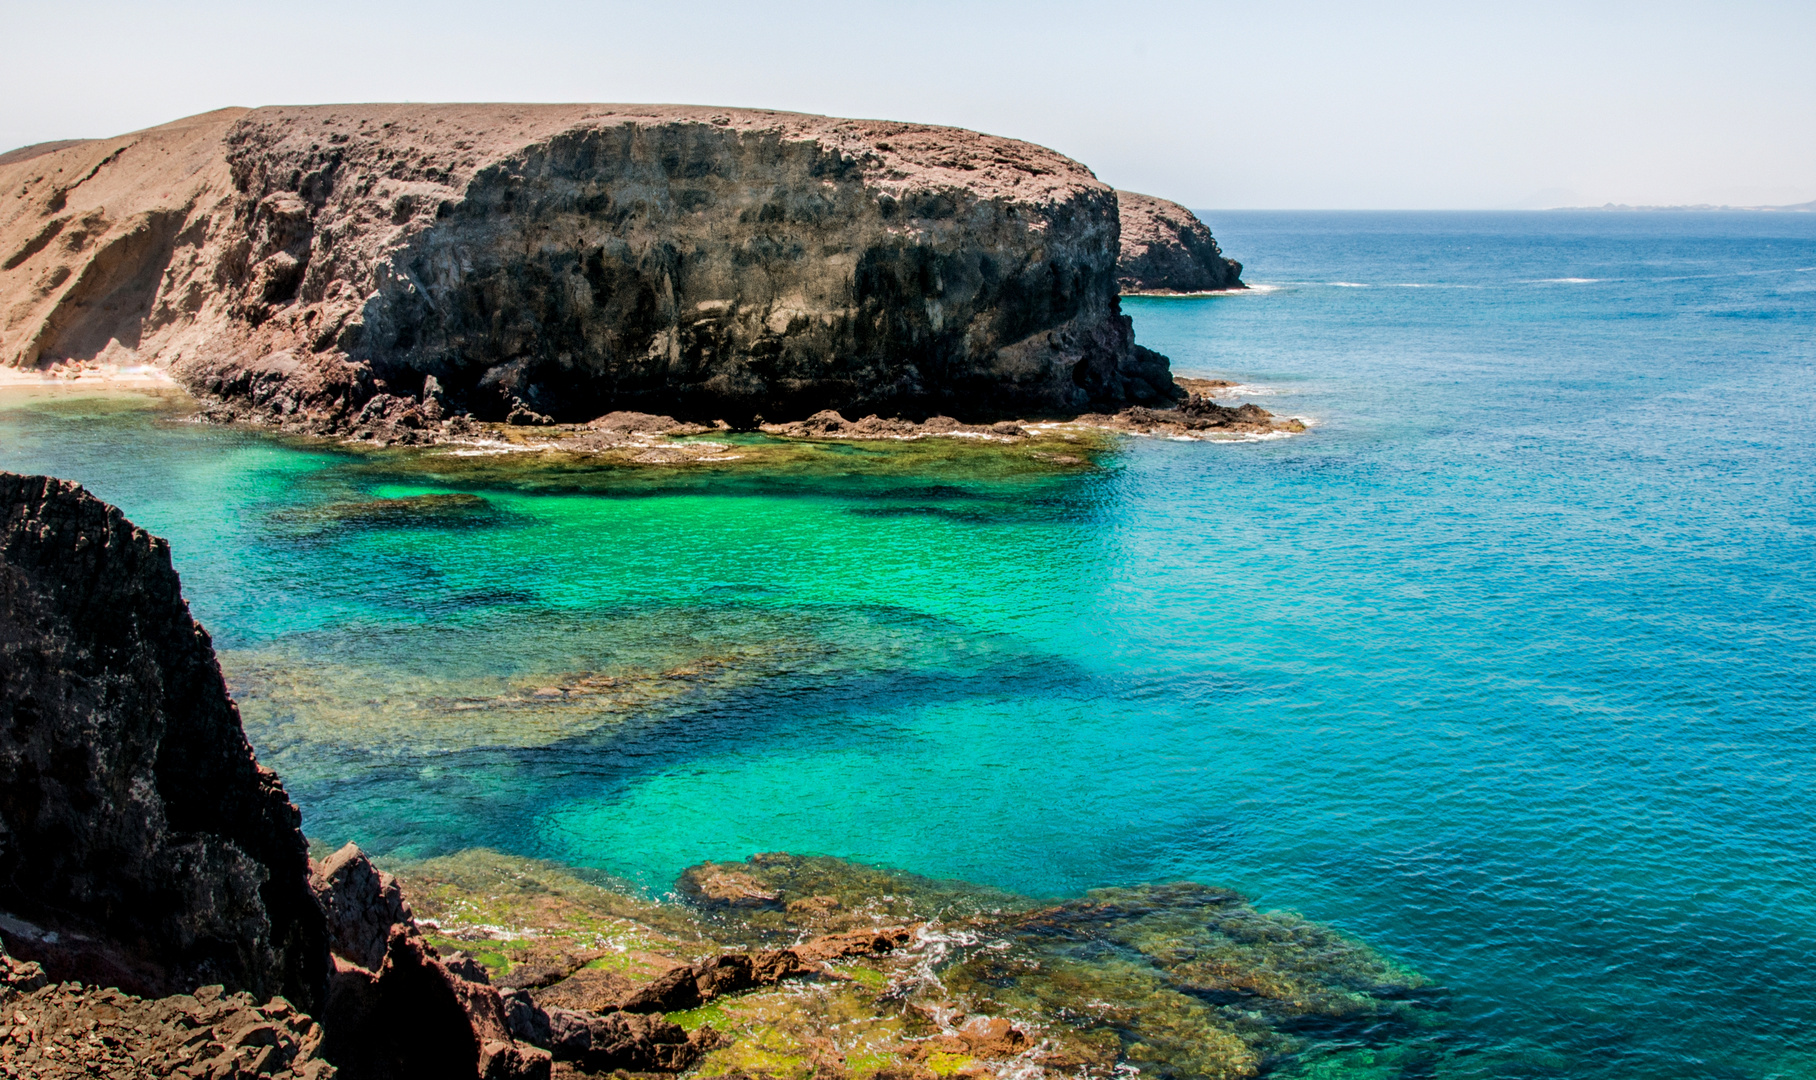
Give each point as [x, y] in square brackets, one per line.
[1166, 249]
[691, 985]
[138, 835]
[379, 270]
[451, 510]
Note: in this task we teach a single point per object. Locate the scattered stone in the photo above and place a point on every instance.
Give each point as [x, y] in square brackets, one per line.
[69, 1031]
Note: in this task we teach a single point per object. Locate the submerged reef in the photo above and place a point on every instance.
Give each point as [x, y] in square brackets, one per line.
[804, 967]
[494, 967]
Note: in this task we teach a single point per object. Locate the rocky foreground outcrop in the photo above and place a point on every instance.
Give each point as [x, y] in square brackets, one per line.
[1166, 249]
[141, 845]
[334, 267]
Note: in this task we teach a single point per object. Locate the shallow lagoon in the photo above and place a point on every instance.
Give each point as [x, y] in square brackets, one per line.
[1504, 667]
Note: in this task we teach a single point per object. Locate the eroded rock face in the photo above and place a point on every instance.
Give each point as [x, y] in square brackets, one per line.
[1166, 249]
[395, 1008]
[141, 844]
[333, 268]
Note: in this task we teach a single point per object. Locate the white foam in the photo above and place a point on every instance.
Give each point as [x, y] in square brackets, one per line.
[1569, 280]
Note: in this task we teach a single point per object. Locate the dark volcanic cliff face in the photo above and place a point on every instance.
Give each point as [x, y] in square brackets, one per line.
[137, 832]
[1166, 249]
[566, 261]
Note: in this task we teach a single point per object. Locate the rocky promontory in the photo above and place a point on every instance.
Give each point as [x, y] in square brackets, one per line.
[141, 844]
[328, 268]
[1166, 249]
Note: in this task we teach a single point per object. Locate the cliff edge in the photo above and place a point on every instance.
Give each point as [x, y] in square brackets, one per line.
[1167, 249]
[141, 845]
[326, 266]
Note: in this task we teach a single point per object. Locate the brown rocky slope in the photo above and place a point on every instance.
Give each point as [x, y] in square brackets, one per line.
[1167, 249]
[325, 267]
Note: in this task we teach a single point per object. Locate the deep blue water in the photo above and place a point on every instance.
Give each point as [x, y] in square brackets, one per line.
[1505, 666]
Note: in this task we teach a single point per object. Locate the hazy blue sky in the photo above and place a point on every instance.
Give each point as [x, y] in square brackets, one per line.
[1303, 104]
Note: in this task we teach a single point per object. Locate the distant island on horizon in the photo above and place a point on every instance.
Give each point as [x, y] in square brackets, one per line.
[1794, 208]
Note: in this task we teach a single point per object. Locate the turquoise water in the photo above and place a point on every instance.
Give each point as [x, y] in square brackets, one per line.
[1505, 666]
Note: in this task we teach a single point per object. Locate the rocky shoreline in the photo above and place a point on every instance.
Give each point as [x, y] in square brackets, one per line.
[322, 267]
[400, 273]
[490, 966]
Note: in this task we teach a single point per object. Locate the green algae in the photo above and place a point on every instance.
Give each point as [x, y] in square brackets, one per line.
[436, 510]
[529, 461]
[1175, 981]
[712, 1013]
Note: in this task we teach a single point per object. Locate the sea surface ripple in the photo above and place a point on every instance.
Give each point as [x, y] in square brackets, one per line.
[1505, 666]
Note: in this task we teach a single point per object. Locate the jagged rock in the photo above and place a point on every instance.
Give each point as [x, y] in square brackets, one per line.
[553, 262]
[395, 1009]
[873, 942]
[691, 985]
[141, 844]
[1166, 249]
[362, 903]
[413, 1017]
[618, 1040]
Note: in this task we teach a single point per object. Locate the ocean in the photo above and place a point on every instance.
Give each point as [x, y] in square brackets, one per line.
[1505, 666]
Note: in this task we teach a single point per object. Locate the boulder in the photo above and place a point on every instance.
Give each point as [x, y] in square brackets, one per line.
[141, 844]
[1166, 249]
[362, 903]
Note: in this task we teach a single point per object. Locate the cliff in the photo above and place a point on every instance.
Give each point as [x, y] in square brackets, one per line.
[1166, 249]
[141, 845]
[330, 266]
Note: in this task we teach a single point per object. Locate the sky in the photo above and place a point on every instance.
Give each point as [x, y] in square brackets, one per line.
[1311, 104]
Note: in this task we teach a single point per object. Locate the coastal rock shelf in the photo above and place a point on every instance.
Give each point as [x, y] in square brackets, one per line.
[338, 268]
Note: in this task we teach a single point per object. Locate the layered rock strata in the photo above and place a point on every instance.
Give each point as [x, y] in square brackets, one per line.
[1166, 249]
[337, 268]
[141, 844]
